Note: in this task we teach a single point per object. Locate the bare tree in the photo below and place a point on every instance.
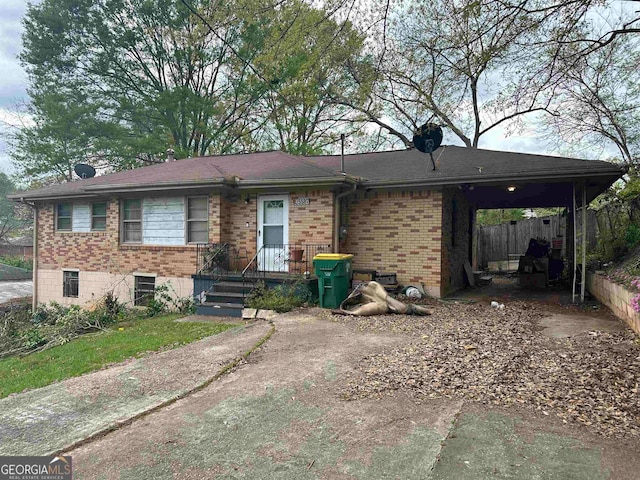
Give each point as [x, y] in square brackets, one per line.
[598, 101]
[470, 66]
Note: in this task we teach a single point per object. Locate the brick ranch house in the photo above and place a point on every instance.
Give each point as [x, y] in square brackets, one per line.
[129, 231]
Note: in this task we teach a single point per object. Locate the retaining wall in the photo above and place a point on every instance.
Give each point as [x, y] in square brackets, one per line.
[616, 297]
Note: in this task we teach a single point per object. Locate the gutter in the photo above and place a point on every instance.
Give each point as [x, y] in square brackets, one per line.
[297, 182]
[91, 191]
[492, 179]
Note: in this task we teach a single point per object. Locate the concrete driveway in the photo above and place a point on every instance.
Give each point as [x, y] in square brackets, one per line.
[11, 290]
[282, 415]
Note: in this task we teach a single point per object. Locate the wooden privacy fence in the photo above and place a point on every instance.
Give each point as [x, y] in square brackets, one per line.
[497, 243]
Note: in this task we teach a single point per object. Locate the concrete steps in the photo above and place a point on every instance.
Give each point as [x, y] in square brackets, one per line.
[225, 299]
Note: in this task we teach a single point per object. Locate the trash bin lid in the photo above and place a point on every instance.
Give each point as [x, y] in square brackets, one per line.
[333, 256]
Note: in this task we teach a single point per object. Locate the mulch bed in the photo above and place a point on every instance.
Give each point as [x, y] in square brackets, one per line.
[498, 357]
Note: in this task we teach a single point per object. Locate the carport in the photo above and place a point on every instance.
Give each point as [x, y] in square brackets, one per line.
[562, 187]
[465, 179]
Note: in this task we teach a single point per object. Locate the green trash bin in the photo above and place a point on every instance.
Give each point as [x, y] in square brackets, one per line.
[334, 278]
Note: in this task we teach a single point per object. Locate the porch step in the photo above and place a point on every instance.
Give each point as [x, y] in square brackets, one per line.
[229, 286]
[225, 297]
[220, 297]
[220, 309]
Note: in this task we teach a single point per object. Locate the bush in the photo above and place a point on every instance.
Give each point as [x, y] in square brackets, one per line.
[17, 262]
[22, 331]
[165, 300]
[282, 298]
[632, 236]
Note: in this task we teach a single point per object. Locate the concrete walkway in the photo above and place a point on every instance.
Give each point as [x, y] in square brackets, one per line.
[15, 289]
[56, 417]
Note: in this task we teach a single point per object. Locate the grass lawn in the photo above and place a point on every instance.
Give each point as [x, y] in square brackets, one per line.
[94, 351]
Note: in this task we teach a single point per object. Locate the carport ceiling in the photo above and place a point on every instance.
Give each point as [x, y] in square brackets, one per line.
[528, 194]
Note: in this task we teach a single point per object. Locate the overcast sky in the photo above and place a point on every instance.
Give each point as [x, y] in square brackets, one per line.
[13, 81]
[13, 84]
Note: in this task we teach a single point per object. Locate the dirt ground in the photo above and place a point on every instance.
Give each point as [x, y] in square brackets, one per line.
[330, 397]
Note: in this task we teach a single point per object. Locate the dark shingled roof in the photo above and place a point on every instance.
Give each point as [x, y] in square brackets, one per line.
[399, 168]
[460, 164]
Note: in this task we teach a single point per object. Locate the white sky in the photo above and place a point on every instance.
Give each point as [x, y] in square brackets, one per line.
[13, 81]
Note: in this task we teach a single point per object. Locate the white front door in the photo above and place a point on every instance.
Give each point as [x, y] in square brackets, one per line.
[273, 232]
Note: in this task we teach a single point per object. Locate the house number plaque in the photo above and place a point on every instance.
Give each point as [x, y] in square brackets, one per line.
[300, 201]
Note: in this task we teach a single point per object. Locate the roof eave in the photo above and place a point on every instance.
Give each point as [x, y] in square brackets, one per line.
[297, 182]
[92, 191]
[562, 177]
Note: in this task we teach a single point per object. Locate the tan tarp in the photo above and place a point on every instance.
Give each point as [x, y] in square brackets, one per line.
[372, 299]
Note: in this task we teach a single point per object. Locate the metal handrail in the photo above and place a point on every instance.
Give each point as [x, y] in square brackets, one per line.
[253, 260]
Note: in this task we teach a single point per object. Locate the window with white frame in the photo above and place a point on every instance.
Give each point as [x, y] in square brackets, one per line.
[132, 221]
[144, 290]
[99, 216]
[197, 220]
[70, 284]
[64, 215]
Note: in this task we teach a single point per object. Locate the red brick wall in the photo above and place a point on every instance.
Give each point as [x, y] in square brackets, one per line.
[101, 252]
[217, 215]
[397, 232]
[230, 220]
[311, 223]
[237, 213]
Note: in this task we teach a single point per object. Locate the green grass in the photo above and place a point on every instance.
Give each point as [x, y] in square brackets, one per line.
[94, 351]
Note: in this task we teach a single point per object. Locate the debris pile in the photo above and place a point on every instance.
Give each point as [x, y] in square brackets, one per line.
[498, 357]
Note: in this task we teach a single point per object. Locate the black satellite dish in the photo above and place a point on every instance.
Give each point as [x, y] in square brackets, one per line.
[427, 139]
[84, 171]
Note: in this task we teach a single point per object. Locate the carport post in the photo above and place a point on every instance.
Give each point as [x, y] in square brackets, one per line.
[575, 256]
[584, 241]
[583, 235]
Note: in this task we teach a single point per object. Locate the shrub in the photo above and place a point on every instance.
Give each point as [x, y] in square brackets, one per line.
[632, 236]
[166, 300]
[16, 262]
[282, 298]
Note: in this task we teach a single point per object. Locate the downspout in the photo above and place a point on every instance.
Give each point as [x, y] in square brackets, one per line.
[336, 216]
[34, 278]
[34, 302]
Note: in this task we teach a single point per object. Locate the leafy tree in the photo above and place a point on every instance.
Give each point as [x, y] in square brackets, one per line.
[498, 216]
[306, 56]
[12, 218]
[152, 73]
[113, 82]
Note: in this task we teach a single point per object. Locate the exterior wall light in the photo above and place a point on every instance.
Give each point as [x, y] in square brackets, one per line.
[511, 188]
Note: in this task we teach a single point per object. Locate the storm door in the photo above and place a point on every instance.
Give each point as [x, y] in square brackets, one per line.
[273, 232]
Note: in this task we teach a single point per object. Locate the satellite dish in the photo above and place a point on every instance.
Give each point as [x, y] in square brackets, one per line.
[84, 171]
[428, 138]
